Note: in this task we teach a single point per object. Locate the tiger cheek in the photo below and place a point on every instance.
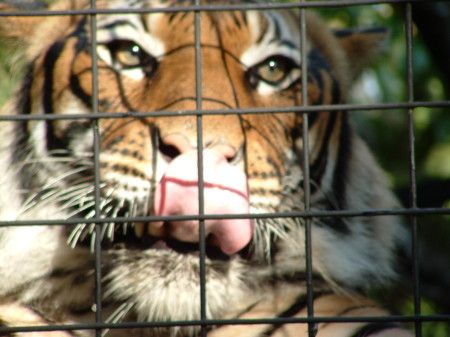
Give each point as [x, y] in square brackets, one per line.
[264, 179]
[265, 158]
[125, 158]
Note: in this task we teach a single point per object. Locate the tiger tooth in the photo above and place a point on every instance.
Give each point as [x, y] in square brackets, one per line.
[139, 229]
[155, 230]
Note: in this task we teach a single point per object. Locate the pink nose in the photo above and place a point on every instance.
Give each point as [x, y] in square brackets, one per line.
[225, 192]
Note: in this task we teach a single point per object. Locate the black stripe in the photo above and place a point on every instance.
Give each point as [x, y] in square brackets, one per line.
[76, 88]
[264, 31]
[318, 168]
[336, 94]
[294, 309]
[24, 101]
[23, 107]
[314, 73]
[82, 44]
[118, 23]
[50, 60]
[299, 305]
[343, 158]
[319, 165]
[21, 148]
[52, 56]
[277, 32]
[372, 328]
[244, 17]
[316, 63]
[49, 66]
[236, 20]
[171, 16]
[81, 36]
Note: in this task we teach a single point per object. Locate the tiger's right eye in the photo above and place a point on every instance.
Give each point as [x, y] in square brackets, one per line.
[129, 55]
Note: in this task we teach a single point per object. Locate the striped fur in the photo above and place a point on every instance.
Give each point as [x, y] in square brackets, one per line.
[146, 62]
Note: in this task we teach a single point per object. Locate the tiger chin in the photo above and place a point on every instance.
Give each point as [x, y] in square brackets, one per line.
[147, 169]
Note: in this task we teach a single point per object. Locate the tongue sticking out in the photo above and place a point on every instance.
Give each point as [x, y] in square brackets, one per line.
[225, 192]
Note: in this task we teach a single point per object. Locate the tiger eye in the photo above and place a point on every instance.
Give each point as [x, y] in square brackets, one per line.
[273, 70]
[127, 54]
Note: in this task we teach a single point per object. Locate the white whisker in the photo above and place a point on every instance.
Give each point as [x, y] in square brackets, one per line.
[53, 192]
[53, 181]
[81, 209]
[118, 315]
[75, 235]
[110, 231]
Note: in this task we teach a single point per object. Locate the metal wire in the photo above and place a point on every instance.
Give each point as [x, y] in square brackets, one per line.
[97, 178]
[275, 215]
[201, 183]
[412, 211]
[216, 7]
[412, 167]
[234, 111]
[221, 322]
[312, 327]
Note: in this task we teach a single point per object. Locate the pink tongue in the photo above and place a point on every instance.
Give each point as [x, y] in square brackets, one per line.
[225, 193]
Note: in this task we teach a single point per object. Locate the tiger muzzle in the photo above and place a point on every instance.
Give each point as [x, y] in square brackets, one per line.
[225, 192]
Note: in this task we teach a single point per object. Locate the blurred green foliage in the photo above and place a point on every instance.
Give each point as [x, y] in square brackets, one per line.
[386, 131]
[8, 71]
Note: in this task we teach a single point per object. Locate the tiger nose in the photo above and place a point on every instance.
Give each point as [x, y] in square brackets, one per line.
[175, 144]
[225, 191]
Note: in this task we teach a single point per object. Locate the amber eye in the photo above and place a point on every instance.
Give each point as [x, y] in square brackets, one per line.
[273, 70]
[128, 55]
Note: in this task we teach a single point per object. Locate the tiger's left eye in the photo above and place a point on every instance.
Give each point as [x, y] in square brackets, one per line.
[129, 55]
[272, 70]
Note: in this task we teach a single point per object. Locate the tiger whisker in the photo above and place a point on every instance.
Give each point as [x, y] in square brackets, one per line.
[52, 193]
[81, 209]
[75, 234]
[118, 315]
[64, 177]
[53, 157]
[78, 196]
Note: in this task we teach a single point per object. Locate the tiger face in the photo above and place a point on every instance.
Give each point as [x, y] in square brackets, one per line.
[148, 155]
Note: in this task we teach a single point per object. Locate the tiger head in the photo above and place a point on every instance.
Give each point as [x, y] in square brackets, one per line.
[166, 85]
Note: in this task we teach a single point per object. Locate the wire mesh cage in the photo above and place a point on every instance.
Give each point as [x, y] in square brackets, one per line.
[414, 114]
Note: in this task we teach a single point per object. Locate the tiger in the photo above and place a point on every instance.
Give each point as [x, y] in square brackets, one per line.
[134, 162]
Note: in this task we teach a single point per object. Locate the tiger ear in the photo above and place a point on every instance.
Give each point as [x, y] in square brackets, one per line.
[19, 28]
[362, 46]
